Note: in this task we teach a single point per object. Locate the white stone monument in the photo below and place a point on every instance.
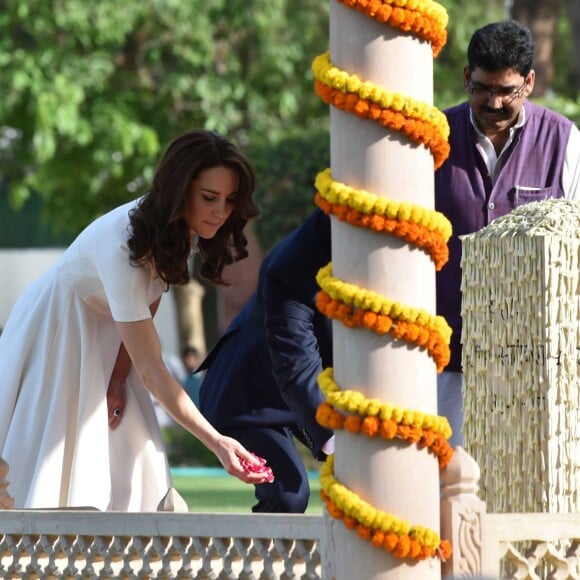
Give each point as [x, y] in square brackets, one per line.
[521, 340]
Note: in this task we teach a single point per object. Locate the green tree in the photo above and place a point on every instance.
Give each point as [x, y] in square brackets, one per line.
[91, 91]
[553, 24]
[465, 17]
[286, 190]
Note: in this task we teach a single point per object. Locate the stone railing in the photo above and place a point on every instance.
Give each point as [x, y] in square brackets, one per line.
[91, 544]
[525, 546]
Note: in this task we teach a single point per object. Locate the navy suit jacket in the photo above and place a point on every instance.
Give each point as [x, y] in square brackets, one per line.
[264, 370]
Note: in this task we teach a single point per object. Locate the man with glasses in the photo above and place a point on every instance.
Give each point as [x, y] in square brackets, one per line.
[505, 151]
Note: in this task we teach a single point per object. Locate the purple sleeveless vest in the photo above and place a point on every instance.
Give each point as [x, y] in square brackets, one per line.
[464, 193]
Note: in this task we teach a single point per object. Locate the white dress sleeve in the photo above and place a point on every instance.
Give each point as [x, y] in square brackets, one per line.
[126, 286]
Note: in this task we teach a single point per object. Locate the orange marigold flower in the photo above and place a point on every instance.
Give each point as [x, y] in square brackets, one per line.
[333, 510]
[427, 438]
[363, 532]
[388, 429]
[390, 226]
[390, 541]
[384, 324]
[446, 458]
[445, 550]
[414, 435]
[438, 443]
[371, 426]
[378, 538]
[350, 522]
[403, 546]
[336, 421]
[323, 414]
[352, 423]
[322, 298]
[403, 431]
[398, 330]
[369, 318]
[415, 549]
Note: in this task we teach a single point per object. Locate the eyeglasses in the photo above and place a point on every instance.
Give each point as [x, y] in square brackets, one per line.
[506, 94]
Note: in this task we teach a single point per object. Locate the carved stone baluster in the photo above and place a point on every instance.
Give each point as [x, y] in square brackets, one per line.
[461, 516]
[6, 500]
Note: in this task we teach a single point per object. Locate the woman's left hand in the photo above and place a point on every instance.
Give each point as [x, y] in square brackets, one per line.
[116, 401]
[233, 454]
[117, 391]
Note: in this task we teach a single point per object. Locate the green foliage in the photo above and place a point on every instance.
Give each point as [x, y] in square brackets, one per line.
[464, 17]
[28, 228]
[224, 494]
[566, 81]
[91, 92]
[184, 450]
[285, 189]
[566, 105]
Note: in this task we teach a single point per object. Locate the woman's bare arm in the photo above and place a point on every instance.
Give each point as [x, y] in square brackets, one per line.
[142, 343]
[116, 391]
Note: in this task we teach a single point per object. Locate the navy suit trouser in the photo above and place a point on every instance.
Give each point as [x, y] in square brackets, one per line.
[290, 491]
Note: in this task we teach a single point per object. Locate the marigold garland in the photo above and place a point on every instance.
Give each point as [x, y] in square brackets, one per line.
[414, 234]
[418, 121]
[357, 307]
[369, 203]
[424, 18]
[328, 417]
[373, 301]
[383, 529]
[427, 229]
[374, 418]
[336, 78]
[424, 125]
[356, 402]
[437, 347]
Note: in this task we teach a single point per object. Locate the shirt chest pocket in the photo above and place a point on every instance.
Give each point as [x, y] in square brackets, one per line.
[526, 193]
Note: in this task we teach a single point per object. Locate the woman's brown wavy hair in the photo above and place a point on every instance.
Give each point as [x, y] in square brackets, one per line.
[159, 234]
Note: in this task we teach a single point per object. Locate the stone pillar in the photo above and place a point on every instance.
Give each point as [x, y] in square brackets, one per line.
[394, 477]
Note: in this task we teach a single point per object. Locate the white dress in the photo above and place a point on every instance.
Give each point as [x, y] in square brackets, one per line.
[57, 352]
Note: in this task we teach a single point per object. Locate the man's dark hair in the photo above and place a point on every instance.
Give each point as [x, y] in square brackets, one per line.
[500, 45]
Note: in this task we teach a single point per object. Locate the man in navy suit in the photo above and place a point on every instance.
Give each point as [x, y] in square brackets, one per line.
[261, 378]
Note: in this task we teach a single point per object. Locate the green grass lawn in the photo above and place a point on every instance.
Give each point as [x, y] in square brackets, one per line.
[223, 493]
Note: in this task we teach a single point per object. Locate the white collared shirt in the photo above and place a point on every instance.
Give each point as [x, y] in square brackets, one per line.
[570, 171]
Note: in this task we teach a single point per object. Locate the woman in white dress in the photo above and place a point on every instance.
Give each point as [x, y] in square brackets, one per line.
[79, 353]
